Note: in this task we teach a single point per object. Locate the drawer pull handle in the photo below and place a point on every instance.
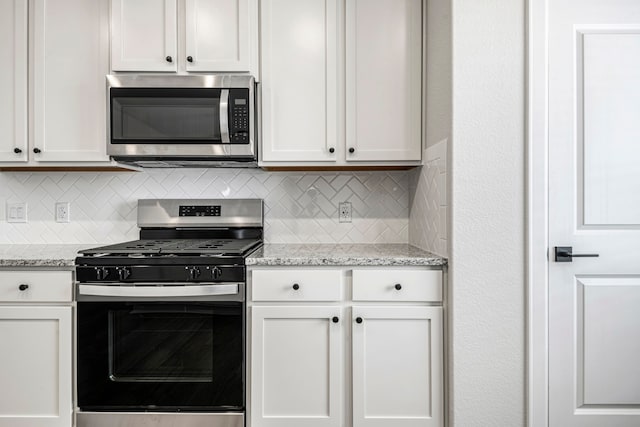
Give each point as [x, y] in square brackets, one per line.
[335, 319]
[23, 287]
[296, 286]
[358, 319]
[398, 287]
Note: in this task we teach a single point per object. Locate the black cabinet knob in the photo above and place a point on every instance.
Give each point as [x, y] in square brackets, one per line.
[398, 286]
[358, 319]
[190, 58]
[169, 59]
[17, 150]
[37, 150]
[332, 150]
[335, 319]
[296, 286]
[352, 150]
[23, 287]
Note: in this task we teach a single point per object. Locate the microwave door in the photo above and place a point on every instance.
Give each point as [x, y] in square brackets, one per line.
[224, 116]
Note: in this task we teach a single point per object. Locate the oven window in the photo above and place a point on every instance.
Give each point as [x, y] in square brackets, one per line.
[155, 356]
[157, 115]
[155, 343]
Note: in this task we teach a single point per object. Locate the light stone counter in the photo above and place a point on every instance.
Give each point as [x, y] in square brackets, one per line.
[58, 256]
[348, 255]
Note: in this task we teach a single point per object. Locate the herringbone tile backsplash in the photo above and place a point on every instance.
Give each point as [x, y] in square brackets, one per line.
[299, 207]
[429, 204]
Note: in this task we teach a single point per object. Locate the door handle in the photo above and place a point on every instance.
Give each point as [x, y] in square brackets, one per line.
[565, 254]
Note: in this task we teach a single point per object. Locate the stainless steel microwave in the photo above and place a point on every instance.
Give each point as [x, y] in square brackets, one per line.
[182, 121]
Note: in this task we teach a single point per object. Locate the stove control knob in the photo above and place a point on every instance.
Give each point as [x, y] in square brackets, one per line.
[216, 273]
[194, 272]
[101, 273]
[123, 273]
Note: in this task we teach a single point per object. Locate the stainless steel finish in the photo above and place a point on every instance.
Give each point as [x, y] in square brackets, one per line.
[205, 81]
[231, 297]
[163, 213]
[224, 116]
[151, 419]
[158, 290]
[186, 155]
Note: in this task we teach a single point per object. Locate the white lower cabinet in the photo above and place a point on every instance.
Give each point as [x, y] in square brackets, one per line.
[296, 367]
[36, 339]
[381, 365]
[397, 366]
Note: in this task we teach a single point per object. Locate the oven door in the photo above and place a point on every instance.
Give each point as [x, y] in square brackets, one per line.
[160, 355]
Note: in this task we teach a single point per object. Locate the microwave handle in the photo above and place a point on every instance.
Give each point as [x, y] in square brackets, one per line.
[224, 116]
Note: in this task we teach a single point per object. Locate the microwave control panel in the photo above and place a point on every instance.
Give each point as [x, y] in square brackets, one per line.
[239, 124]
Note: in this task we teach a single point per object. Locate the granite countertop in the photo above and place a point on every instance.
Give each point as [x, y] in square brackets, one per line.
[345, 254]
[61, 256]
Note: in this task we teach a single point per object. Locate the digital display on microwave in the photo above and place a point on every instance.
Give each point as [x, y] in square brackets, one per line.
[240, 101]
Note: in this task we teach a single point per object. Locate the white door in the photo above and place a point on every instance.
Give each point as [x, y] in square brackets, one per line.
[145, 35]
[296, 367]
[397, 367]
[13, 80]
[218, 35]
[384, 80]
[299, 58]
[70, 62]
[594, 207]
[35, 367]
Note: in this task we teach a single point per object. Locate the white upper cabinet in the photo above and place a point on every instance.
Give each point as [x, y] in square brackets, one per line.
[13, 80]
[70, 61]
[384, 80]
[217, 35]
[322, 110]
[144, 35]
[299, 46]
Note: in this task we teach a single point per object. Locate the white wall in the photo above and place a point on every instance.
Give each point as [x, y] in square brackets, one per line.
[428, 205]
[487, 231]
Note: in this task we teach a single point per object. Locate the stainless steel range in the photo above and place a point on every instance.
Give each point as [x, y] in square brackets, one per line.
[161, 320]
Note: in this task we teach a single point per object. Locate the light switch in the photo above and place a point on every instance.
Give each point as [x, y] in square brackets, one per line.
[17, 212]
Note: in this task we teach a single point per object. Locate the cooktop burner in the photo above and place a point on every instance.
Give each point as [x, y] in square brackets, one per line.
[177, 247]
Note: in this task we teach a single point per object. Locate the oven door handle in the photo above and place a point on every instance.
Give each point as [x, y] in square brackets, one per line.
[157, 291]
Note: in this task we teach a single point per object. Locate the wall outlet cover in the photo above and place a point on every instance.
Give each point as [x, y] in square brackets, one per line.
[63, 212]
[344, 212]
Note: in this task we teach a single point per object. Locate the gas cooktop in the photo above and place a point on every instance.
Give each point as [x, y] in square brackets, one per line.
[177, 247]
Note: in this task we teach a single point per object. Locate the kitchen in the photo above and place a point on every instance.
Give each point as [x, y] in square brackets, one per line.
[376, 221]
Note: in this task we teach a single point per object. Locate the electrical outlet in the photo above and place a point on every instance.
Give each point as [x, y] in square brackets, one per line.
[344, 212]
[17, 212]
[63, 212]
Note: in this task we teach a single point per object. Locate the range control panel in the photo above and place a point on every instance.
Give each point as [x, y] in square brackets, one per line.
[239, 121]
[200, 210]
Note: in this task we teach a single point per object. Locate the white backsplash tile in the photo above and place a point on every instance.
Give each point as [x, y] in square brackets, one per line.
[299, 207]
[428, 205]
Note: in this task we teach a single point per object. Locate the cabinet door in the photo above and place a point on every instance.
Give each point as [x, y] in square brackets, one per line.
[13, 80]
[144, 35]
[35, 367]
[397, 367]
[71, 51]
[218, 35]
[300, 80]
[296, 367]
[384, 80]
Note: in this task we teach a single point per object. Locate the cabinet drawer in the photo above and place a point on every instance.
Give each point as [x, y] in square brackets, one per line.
[312, 285]
[381, 285]
[42, 286]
